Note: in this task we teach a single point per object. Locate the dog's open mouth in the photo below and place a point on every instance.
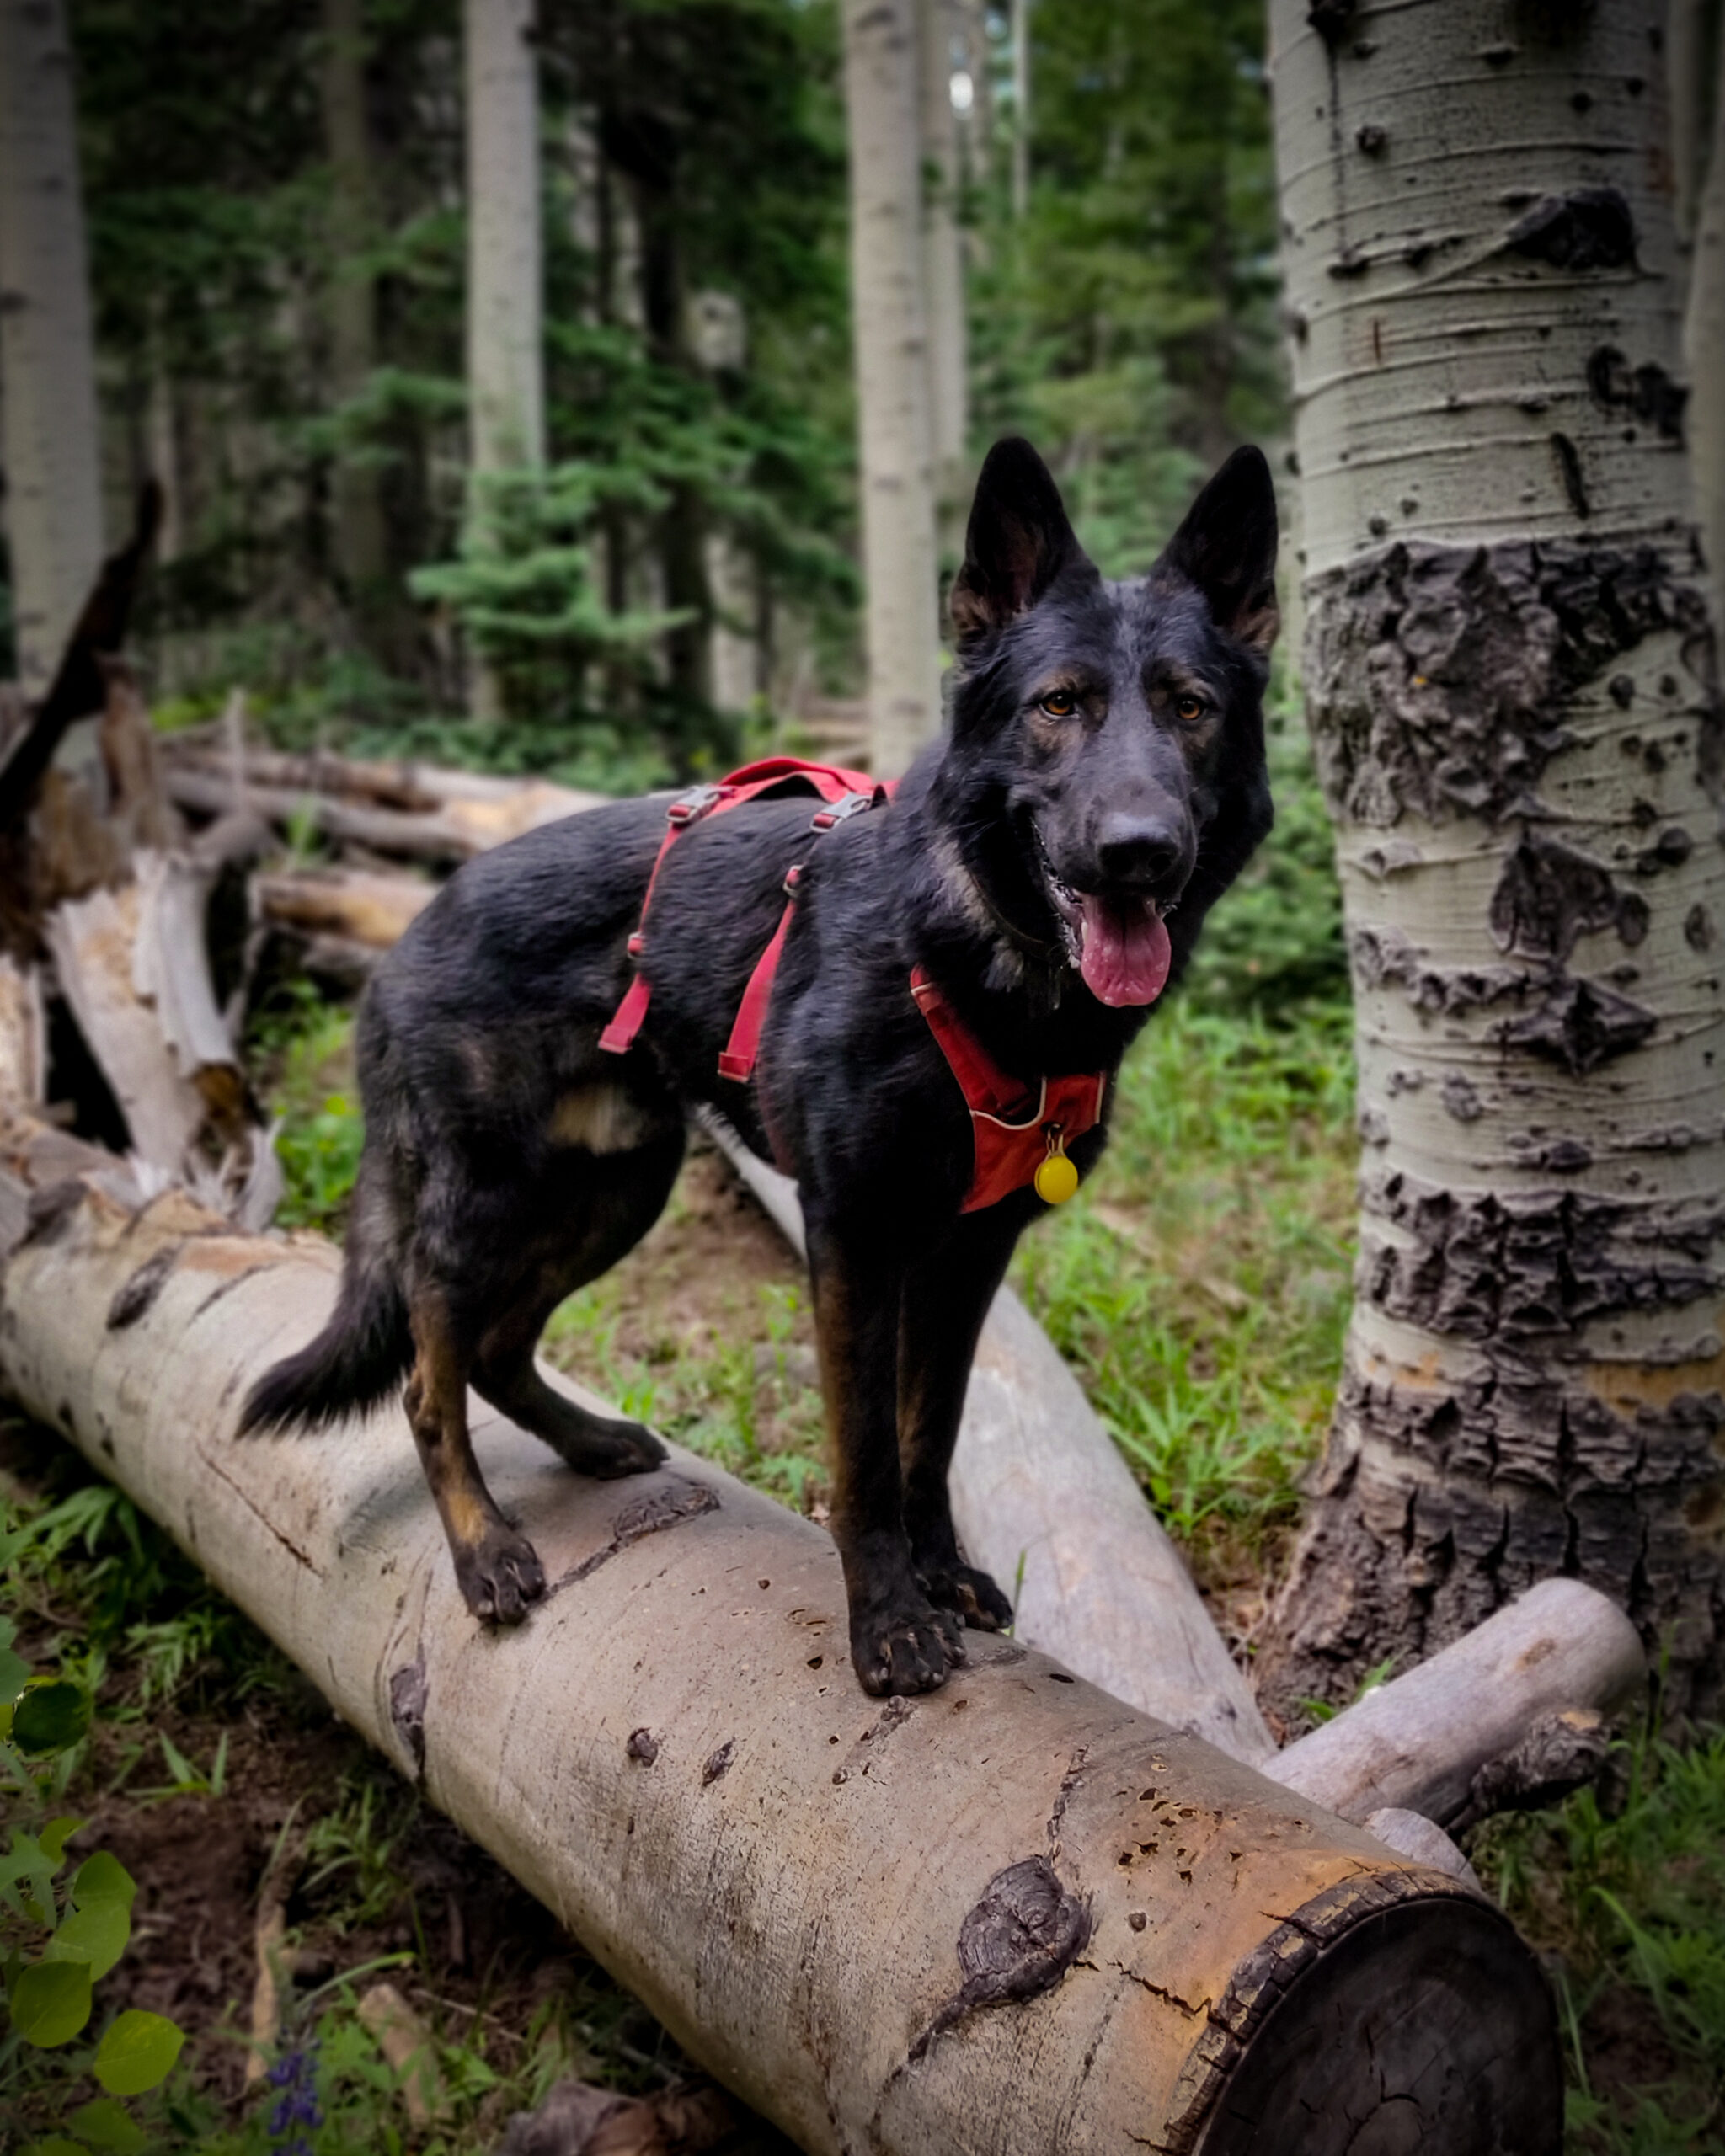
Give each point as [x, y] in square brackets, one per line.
[1118, 942]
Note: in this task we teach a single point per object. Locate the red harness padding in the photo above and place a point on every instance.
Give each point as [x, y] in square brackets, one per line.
[845, 793]
[1011, 1136]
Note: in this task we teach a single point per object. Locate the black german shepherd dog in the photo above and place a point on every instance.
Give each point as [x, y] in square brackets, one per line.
[1045, 864]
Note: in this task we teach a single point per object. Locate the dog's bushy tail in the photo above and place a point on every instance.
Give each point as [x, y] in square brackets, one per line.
[364, 1352]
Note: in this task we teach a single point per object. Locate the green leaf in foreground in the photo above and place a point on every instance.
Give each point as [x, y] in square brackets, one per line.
[56, 2144]
[96, 1935]
[103, 1878]
[50, 2002]
[14, 1675]
[137, 2052]
[104, 2125]
[50, 1718]
[54, 1837]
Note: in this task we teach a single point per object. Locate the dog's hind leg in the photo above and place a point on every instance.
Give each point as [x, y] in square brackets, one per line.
[944, 1302]
[495, 1566]
[614, 1199]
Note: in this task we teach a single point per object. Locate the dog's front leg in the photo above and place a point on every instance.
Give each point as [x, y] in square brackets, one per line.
[900, 1641]
[946, 1298]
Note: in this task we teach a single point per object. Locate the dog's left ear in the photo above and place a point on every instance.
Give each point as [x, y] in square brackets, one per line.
[1227, 547]
[1017, 541]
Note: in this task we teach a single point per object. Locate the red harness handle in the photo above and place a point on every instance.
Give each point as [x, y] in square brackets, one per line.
[845, 792]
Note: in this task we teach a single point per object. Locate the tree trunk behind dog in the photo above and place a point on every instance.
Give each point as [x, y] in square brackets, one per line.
[51, 447]
[888, 307]
[1510, 678]
[505, 363]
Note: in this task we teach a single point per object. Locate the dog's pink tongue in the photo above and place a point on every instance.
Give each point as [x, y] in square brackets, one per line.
[1126, 954]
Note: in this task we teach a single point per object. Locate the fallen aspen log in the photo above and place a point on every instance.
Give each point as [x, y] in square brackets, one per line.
[1017, 1916]
[449, 816]
[1520, 1700]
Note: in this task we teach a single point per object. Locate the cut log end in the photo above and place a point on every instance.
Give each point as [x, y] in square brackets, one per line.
[1421, 2023]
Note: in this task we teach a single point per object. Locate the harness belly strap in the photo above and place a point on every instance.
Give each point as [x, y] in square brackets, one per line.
[1018, 1141]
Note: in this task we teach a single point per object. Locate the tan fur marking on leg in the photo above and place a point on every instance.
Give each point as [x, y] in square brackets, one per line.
[602, 1118]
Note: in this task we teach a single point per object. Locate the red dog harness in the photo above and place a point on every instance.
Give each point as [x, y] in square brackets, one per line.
[845, 793]
[1017, 1142]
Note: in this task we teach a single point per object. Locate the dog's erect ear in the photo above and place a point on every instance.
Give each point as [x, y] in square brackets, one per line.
[1227, 547]
[1016, 543]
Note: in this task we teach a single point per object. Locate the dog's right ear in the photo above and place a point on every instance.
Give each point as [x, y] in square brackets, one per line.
[1016, 543]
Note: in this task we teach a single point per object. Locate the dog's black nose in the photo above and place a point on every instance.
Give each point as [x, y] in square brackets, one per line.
[1135, 849]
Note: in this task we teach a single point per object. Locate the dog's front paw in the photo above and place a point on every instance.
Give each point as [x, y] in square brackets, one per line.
[499, 1577]
[971, 1594]
[609, 1450]
[911, 1647]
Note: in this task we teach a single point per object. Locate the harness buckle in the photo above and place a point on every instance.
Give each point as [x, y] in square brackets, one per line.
[691, 807]
[794, 877]
[837, 812]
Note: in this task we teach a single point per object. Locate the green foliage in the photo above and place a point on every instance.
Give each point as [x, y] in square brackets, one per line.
[1127, 323]
[57, 1945]
[1628, 1886]
[305, 1050]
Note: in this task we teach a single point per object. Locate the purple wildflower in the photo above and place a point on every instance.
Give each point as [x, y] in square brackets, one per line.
[296, 2113]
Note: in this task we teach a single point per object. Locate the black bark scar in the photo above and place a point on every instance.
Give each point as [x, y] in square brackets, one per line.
[676, 1500]
[1018, 1941]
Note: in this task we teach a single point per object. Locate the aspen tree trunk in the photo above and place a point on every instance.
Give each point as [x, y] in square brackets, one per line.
[505, 364]
[943, 274]
[889, 311]
[49, 438]
[1510, 678]
[1020, 21]
[1699, 155]
[360, 545]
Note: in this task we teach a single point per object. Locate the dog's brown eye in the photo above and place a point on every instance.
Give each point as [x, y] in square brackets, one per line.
[1060, 703]
[1189, 709]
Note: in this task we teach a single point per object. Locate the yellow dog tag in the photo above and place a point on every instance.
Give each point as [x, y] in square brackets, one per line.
[1056, 1178]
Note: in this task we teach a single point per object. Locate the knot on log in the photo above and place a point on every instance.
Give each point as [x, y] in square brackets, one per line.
[1559, 1753]
[1018, 1941]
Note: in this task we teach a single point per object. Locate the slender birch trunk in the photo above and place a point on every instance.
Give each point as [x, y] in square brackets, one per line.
[943, 274]
[1510, 679]
[890, 311]
[505, 361]
[49, 436]
[360, 542]
[1699, 154]
[1020, 22]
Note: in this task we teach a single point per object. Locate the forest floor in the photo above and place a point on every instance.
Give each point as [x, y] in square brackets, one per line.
[1199, 1287]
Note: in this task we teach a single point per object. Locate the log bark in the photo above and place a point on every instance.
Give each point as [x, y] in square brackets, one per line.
[370, 911]
[889, 309]
[49, 443]
[1020, 1917]
[1511, 681]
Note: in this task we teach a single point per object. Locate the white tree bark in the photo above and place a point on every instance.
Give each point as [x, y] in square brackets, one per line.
[889, 317]
[1019, 20]
[1704, 326]
[1016, 1917]
[49, 437]
[360, 536]
[1510, 678]
[943, 271]
[506, 362]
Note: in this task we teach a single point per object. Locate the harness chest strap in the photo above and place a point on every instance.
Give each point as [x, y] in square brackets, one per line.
[1013, 1148]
